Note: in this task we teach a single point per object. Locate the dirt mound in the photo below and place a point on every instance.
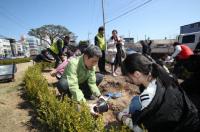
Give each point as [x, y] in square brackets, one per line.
[117, 85]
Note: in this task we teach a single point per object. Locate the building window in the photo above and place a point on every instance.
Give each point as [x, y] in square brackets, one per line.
[198, 24]
[192, 26]
[188, 39]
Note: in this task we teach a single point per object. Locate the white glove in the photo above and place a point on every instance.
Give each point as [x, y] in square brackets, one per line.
[105, 98]
[125, 112]
[169, 59]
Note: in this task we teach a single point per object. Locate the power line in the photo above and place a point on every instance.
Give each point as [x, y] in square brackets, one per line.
[8, 16]
[123, 7]
[14, 16]
[125, 13]
[130, 2]
[93, 14]
[91, 9]
[130, 5]
[10, 19]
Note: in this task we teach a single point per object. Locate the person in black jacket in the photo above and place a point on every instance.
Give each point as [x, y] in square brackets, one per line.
[191, 84]
[162, 105]
[146, 47]
[43, 57]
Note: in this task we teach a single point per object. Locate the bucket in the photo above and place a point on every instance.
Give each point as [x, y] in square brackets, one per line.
[101, 107]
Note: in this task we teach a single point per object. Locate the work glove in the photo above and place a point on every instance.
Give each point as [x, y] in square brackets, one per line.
[103, 98]
[168, 59]
[124, 113]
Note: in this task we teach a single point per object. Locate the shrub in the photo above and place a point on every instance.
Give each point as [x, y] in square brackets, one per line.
[47, 65]
[14, 61]
[58, 116]
[62, 116]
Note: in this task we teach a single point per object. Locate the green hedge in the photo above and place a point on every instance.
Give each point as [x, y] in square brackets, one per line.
[45, 65]
[58, 116]
[14, 61]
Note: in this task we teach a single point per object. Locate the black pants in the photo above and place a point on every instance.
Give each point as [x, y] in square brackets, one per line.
[102, 62]
[190, 86]
[179, 67]
[63, 86]
[118, 58]
[56, 57]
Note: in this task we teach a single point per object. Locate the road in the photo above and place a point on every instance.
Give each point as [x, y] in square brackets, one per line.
[14, 110]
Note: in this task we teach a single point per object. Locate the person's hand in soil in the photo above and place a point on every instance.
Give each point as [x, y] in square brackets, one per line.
[53, 73]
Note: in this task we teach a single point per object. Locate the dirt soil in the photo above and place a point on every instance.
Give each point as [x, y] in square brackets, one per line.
[15, 113]
[109, 84]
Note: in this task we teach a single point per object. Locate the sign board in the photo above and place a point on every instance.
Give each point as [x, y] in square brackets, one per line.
[7, 72]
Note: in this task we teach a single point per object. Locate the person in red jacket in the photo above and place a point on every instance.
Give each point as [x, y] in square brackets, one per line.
[181, 54]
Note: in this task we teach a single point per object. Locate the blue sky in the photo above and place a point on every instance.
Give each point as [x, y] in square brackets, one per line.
[157, 19]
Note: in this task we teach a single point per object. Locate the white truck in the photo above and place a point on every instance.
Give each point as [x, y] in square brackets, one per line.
[190, 39]
[190, 35]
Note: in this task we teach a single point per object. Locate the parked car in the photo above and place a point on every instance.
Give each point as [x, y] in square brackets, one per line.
[130, 51]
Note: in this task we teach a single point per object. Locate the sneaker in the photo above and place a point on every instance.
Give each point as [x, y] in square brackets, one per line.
[114, 74]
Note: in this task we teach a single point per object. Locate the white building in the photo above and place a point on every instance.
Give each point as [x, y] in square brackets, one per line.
[128, 40]
[190, 28]
[19, 48]
[5, 48]
[45, 44]
[162, 46]
[158, 46]
[34, 45]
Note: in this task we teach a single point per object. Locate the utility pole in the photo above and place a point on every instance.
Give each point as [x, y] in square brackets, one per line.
[89, 37]
[104, 24]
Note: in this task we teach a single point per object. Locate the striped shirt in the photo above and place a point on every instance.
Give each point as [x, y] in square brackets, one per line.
[148, 94]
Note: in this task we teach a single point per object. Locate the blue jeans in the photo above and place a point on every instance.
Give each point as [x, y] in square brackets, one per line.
[63, 86]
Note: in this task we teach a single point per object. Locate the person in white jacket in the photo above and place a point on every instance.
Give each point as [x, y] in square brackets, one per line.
[115, 44]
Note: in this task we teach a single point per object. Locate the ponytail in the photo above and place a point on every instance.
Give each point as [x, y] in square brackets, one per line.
[161, 74]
